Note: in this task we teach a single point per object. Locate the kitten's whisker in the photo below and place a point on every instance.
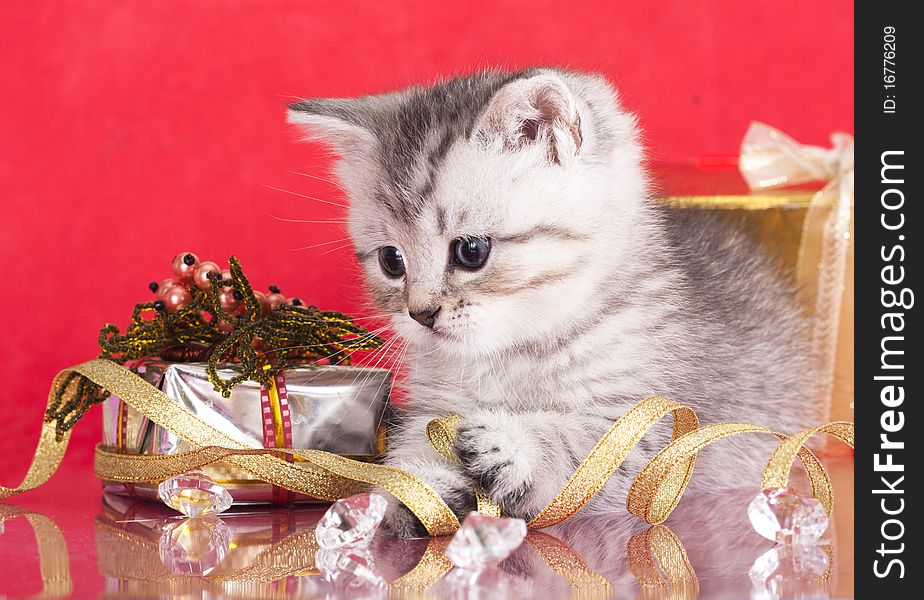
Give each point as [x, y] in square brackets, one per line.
[347, 245]
[362, 384]
[306, 196]
[382, 357]
[377, 351]
[315, 221]
[310, 176]
[382, 354]
[345, 356]
[394, 374]
[320, 244]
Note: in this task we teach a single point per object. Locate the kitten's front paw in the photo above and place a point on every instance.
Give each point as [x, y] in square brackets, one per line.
[497, 456]
[400, 522]
[447, 481]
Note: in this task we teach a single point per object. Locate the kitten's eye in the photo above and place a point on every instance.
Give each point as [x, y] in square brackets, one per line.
[471, 253]
[391, 260]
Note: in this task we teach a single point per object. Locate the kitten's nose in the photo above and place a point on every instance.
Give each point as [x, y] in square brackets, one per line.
[425, 317]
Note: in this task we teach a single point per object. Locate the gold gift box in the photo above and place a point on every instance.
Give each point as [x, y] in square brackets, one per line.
[338, 409]
[781, 220]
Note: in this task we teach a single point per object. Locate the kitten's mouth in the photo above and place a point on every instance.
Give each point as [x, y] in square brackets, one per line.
[443, 333]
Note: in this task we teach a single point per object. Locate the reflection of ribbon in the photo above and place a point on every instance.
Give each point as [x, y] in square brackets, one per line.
[561, 558]
[656, 557]
[657, 554]
[770, 159]
[132, 556]
[654, 494]
[54, 564]
[433, 565]
[565, 562]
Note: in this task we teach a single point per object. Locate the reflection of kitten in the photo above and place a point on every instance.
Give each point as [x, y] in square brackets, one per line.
[504, 224]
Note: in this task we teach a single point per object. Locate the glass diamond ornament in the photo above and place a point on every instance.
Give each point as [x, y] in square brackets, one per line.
[485, 540]
[194, 546]
[488, 583]
[194, 494]
[351, 521]
[787, 516]
[351, 572]
[791, 571]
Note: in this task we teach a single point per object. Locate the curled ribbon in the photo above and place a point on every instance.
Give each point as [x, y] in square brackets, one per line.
[326, 476]
[442, 435]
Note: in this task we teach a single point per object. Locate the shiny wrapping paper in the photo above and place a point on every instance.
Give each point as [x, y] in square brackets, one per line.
[331, 408]
[782, 221]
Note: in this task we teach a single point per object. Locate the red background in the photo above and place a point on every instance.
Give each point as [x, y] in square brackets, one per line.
[132, 130]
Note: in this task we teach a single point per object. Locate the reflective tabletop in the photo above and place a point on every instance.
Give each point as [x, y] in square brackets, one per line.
[67, 539]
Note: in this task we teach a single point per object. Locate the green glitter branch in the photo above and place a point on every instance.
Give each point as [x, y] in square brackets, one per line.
[261, 344]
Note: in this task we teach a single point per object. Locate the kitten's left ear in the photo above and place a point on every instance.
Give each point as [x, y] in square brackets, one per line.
[534, 110]
[346, 124]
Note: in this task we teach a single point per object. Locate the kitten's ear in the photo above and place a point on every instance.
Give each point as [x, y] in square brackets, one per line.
[535, 110]
[343, 123]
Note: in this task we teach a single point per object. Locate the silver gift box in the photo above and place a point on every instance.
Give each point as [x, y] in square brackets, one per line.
[333, 408]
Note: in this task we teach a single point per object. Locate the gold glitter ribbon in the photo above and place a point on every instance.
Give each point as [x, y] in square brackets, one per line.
[442, 434]
[317, 474]
[48, 453]
[653, 495]
[612, 449]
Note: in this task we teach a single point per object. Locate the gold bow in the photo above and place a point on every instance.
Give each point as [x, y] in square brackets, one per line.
[771, 159]
[654, 494]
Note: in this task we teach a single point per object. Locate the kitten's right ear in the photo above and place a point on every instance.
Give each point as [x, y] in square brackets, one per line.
[539, 109]
[343, 123]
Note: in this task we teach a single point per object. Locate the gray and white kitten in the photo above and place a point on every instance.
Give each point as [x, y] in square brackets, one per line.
[504, 223]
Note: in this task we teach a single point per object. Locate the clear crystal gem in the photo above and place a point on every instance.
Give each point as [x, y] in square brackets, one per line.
[351, 572]
[484, 540]
[486, 583]
[351, 521]
[194, 546]
[787, 516]
[790, 571]
[194, 494]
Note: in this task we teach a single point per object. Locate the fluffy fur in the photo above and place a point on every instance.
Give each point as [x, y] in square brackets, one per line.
[592, 297]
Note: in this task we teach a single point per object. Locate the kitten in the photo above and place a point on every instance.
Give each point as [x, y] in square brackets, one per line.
[504, 222]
